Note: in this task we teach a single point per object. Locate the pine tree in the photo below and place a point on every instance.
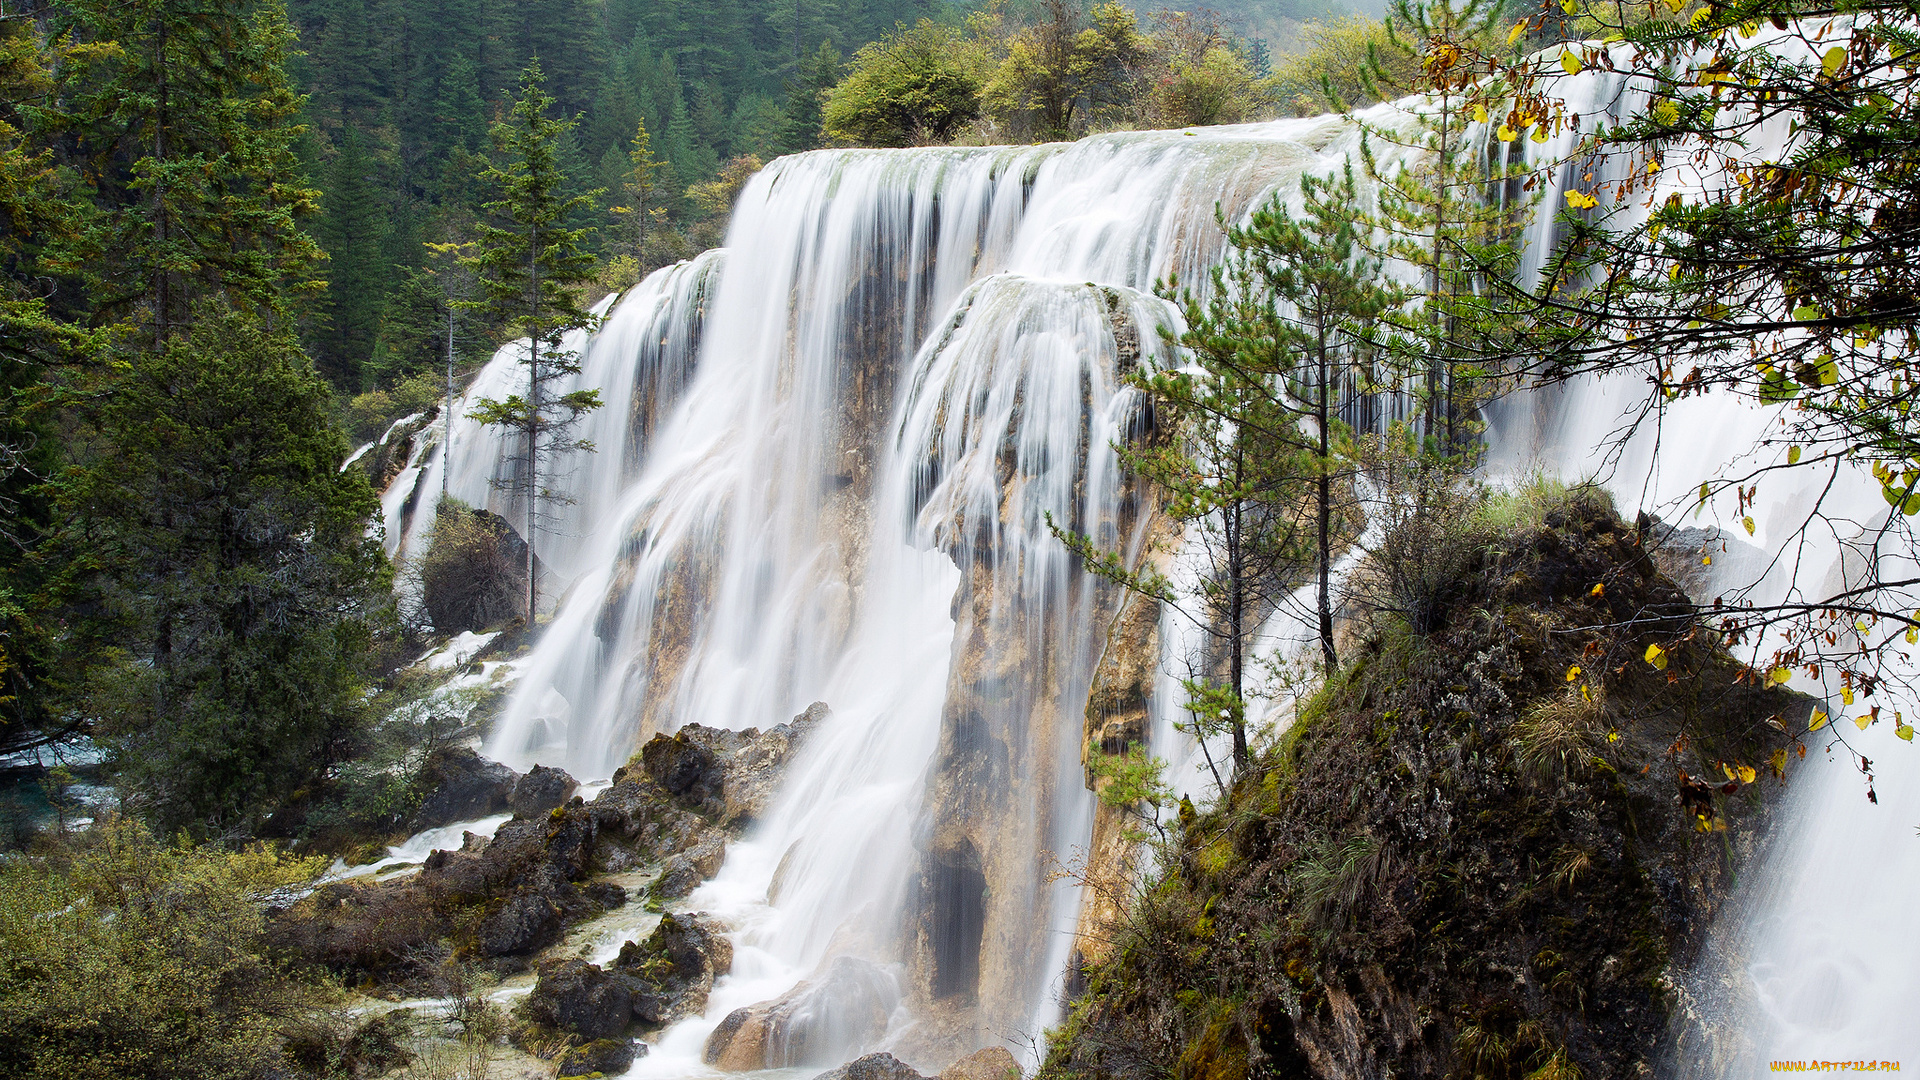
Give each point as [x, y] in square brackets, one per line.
[639, 211]
[233, 590]
[1298, 309]
[353, 228]
[188, 132]
[530, 265]
[1455, 211]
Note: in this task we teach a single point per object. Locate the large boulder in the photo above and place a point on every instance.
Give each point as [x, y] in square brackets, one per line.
[836, 1013]
[576, 997]
[526, 923]
[674, 969]
[754, 773]
[873, 1067]
[541, 790]
[684, 872]
[460, 785]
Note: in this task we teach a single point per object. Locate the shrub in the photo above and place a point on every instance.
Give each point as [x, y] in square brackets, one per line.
[911, 87]
[130, 958]
[1339, 51]
[473, 574]
[367, 416]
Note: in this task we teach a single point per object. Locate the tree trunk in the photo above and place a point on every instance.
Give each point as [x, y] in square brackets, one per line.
[1324, 499]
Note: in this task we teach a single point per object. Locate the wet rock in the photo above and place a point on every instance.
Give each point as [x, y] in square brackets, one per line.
[821, 1019]
[684, 872]
[460, 785]
[675, 967]
[603, 1056]
[684, 766]
[540, 790]
[993, 1063]
[577, 997]
[526, 923]
[873, 1067]
[754, 773]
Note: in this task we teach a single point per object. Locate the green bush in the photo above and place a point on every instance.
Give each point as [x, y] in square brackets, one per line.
[911, 87]
[367, 416]
[129, 958]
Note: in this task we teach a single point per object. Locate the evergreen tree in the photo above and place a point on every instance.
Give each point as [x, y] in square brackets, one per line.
[227, 556]
[188, 132]
[1295, 312]
[1454, 211]
[530, 266]
[353, 228]
[637, 192]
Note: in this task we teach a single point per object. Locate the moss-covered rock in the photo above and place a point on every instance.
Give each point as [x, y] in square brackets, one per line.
[1478, 852]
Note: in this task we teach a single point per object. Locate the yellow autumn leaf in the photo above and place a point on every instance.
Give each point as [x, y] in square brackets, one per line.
[1652, 167]
[1793, 455]
[1479, 113]
[1657, 656]
[1569, 62]
[1747, 775]
[1676, 5]
[1728, 770]
[1779, 675]
[1863, 720]
[1573, 672]
[1580, 200]
[1506, 134]
[1816, 721]
[1779, 762]
[1833, 61]
[1540, 134]
[1701, 18]
[1747, 522]
[1846, 695]
[1519, 28]
[1613, 736]
[1598, 590]
[1905, 731]
[1913, 635]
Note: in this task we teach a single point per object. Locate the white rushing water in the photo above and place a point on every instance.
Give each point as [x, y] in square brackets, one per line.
[823, 473]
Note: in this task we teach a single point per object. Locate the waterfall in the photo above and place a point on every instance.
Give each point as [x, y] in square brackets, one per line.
[823, 472]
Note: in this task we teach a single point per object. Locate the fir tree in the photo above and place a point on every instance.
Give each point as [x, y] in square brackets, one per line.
[637, 193]
[530, 266]
[353, 228]
[188, 131]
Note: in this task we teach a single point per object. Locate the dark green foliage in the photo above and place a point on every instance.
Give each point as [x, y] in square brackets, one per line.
[224, 555]
[353, 230]
[185, 128]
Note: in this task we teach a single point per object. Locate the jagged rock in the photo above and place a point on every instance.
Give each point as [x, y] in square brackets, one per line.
[684, 872]
[540, 790]
[993, 1063]
[830, 1015]
[603, 1056]
[872, 1067]
[528, 922]
[753, 775]
[460, 785]
[686, 768]
[675, 967]
[577, 997]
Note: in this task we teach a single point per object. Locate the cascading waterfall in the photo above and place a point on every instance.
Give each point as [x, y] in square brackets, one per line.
[824, 472]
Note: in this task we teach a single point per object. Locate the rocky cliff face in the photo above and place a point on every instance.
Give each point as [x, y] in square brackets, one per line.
[1481, 851]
